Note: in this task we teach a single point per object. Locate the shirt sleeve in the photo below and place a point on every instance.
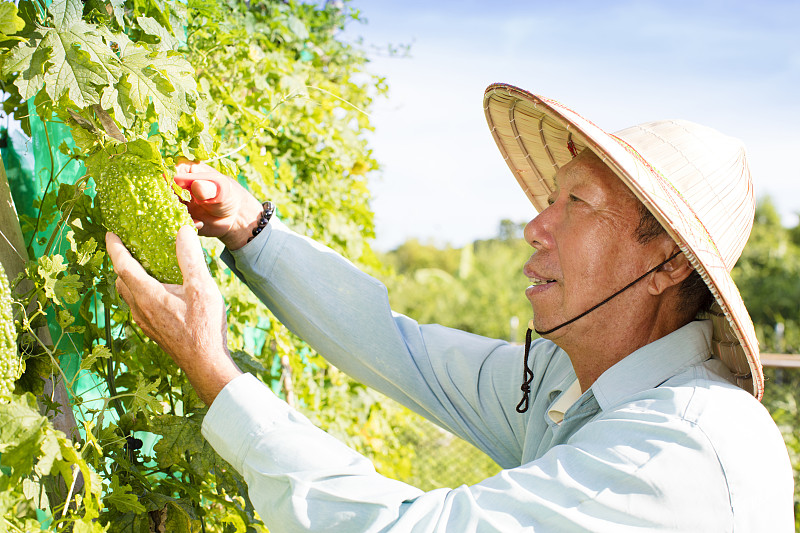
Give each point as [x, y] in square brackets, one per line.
[632, 470]
[344, 314]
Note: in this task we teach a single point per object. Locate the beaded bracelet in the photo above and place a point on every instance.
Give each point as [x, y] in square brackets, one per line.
[266, 214]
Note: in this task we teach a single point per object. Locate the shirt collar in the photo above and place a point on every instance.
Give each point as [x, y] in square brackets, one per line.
[651, 365]
[564, 402]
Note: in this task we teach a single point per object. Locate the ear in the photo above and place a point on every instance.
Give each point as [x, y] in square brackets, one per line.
[670, 274]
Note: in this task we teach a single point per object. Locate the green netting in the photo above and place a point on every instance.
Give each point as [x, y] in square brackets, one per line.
[50, 168]
[37, 166]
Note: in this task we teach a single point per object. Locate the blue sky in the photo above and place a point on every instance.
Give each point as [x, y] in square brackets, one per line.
[734, 66]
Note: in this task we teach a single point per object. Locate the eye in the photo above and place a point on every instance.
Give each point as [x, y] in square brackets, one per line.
[573, 198]
[551, 199]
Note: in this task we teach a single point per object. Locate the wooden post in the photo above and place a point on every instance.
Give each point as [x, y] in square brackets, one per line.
[286, 380]
[13, 256]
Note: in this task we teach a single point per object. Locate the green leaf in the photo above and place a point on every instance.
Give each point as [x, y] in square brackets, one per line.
[99, 351]
[72, 71]
[71, 59]
[179, 519]
[297, 28]
[90, 38]
[65, 318]
[10, 23]
[35, 493]
[179, 436]
[152, 27]
[129, 523]
[68, 289]
[164, 79]
[29, 60]
[247, 363]
[49, 268]
[160, 79]
[22, 430]
[144, 397]
[65, 13]
[120, 497]
[119, 102]
[87, 524]
[51, 452]
[83, 251]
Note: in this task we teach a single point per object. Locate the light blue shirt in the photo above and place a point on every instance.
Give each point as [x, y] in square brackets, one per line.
[662, 441]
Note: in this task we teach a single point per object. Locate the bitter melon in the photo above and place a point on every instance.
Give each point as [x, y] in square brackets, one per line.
[9, 362]
[139, 205]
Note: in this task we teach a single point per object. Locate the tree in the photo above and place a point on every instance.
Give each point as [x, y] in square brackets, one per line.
[768, 276]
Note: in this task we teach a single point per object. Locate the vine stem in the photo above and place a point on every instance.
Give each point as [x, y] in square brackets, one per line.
[228, 154]
[49, 182]
[52, 179]
[27, 325]
[110, 378]
[12, 527]
[339, 98]
[24, 259]
[69, 494]
[242, 147]
[62, 220]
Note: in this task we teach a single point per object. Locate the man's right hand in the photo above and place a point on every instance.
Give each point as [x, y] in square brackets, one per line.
[220, 206]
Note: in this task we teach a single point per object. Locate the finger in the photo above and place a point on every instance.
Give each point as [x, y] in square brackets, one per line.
[204, 190]
[191, 260]
[186, 173]
[124, 292]
[132, 273]
[186, 166]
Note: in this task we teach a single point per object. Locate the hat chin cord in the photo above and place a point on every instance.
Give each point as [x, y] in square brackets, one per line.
[527, 375]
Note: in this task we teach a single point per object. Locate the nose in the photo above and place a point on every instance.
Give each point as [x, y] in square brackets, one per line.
[538, 231]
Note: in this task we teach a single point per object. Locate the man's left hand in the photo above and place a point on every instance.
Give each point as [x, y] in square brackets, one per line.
[188, 321]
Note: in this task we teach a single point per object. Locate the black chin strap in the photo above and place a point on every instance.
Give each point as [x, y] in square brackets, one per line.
[527, 377]
[522, 406]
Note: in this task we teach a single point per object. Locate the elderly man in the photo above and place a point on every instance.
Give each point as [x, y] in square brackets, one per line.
[637, 411]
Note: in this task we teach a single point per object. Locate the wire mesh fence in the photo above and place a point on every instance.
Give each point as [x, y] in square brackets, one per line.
[443, 460]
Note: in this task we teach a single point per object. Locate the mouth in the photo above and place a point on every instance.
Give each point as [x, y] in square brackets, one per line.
[536, 279]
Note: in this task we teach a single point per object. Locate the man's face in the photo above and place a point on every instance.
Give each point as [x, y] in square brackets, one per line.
[586, 248]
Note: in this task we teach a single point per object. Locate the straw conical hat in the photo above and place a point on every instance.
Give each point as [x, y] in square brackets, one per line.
[693, 179]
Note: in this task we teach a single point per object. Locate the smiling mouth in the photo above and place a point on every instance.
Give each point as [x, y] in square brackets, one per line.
[536, 281]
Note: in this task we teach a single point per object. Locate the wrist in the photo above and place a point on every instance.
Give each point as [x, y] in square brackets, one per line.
[209, 383]
[263, 220]
[246, 221]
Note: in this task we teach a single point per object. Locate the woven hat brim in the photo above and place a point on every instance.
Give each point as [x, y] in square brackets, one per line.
[537, 136]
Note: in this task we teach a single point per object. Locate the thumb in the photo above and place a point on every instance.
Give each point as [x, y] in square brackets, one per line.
[191, 259]
[205, 190]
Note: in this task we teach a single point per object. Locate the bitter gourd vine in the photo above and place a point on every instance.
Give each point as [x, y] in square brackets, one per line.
[195, 79]
[9, 362]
